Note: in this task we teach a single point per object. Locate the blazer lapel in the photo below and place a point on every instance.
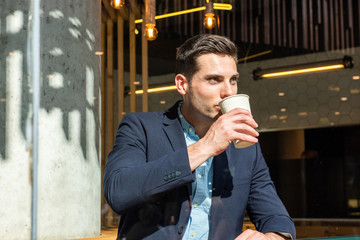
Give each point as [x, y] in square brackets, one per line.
[174, 132]
[172, 128]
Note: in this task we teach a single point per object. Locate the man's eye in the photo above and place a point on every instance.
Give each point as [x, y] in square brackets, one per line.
[213, 80]
[234, 81]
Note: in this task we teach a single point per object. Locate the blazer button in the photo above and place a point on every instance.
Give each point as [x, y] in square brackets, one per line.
[180, 230]
[177, 173]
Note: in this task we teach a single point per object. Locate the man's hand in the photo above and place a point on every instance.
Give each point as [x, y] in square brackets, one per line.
[237, 124]
[255, 235]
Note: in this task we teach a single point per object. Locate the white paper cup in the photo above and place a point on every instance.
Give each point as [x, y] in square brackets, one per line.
[236, 101]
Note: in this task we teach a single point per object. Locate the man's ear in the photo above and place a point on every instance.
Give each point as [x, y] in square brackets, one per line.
[182, 84]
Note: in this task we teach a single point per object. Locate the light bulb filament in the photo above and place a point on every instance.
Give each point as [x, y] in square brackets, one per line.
[150, 32]
[117, 4]
[209, 21]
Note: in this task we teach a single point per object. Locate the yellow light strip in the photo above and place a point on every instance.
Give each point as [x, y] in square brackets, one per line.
[157, 89]
[222, 6]
[306, 70]
[217, 6]
[253, 56]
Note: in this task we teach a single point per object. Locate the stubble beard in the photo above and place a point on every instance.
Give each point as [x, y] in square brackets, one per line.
[202, 110]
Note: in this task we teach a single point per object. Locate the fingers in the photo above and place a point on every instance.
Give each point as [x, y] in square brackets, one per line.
[240, 125]
[239, 115]
[245, 137]
[237, 124]
[251, 235]
[236, 111]
[244, 127]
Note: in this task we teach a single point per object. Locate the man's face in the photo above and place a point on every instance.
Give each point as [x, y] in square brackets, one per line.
[216, 79]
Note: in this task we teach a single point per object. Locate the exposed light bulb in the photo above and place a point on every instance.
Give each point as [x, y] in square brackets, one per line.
[150, 32]
[117, 4]
[209, 21]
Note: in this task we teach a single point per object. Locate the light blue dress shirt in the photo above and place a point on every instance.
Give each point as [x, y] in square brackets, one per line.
[199, 223]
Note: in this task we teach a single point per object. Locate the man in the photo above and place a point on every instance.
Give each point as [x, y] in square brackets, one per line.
[176, 174]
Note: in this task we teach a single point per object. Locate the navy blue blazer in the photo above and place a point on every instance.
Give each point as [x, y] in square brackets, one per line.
[148, 180]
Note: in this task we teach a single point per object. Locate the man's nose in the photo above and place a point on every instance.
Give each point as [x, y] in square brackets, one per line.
[227, 90]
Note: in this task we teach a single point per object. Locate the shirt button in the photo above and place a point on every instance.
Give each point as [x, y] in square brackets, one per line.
[195, 205]
[190, 129]
[192, 234]
[199, 175]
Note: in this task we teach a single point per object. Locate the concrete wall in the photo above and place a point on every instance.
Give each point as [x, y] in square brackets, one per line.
[69, 128]
[313, 100]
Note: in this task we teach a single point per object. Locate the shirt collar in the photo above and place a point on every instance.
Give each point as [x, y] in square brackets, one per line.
[189, 130]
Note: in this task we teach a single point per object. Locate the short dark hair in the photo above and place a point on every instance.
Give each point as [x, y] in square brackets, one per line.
[191, 49]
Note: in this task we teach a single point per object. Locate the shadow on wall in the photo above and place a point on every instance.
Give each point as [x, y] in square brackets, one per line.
[70, 74]
[13, 45]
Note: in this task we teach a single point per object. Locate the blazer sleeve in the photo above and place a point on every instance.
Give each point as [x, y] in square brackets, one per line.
[130, 178]
[265, 208]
